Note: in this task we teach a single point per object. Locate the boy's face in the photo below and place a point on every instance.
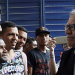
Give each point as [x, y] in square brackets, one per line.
[21, 39]
[42, 39]
[10, 37]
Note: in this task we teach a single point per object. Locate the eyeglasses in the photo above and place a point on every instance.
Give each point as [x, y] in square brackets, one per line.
[71, 27]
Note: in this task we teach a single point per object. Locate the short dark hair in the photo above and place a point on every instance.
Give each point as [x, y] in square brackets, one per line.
[6, 24]
[22, 28]
[30, 40]
[33, 39]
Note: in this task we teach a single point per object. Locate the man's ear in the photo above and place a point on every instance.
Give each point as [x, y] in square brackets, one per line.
[27, 45]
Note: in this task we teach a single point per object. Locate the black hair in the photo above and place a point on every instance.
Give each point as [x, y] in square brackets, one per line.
[33, 39]
[30, 40]
[6, 24]
[22, 28]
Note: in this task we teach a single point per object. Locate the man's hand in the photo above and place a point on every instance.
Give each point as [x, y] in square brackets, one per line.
[52, 45]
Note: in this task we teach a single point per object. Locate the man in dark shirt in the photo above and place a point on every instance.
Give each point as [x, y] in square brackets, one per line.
[38, 58]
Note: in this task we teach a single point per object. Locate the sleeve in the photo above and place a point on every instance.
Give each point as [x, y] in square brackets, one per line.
[30, 58]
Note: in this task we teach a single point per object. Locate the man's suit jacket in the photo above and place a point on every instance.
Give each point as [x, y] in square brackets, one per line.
[67, 63]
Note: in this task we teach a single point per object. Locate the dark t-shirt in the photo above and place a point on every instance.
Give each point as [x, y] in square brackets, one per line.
[39, 61]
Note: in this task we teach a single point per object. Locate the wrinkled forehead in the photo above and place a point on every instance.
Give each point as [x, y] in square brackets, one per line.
[71, 20]
[1, 42]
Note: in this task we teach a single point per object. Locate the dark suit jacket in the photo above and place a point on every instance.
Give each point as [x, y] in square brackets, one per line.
[67, 63]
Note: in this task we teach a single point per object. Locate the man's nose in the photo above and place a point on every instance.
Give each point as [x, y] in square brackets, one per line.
[22, 41]
[15, 37]
[67, 31]
[44, 37]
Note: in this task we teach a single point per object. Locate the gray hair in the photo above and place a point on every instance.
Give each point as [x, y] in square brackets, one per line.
[72, 12]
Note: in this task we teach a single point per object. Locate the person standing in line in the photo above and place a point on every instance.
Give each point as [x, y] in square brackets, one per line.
[15, 63]
[38, 58]
[30, 44]
[22, 37]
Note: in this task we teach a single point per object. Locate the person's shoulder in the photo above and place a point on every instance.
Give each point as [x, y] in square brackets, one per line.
[32, 51]
[23, 54]
[68, 50]
[20, 53]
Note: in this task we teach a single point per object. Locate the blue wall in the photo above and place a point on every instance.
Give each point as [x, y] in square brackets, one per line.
[32, 14]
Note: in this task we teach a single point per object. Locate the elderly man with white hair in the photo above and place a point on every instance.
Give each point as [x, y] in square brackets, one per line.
[67, 64]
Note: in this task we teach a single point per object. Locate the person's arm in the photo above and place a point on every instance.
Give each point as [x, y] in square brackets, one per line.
[30, 69]
[25, 62]
[52, 63]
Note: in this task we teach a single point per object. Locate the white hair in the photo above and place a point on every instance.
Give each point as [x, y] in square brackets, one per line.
[72, 12]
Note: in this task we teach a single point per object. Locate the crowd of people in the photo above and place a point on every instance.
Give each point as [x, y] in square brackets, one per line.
[23, 55]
